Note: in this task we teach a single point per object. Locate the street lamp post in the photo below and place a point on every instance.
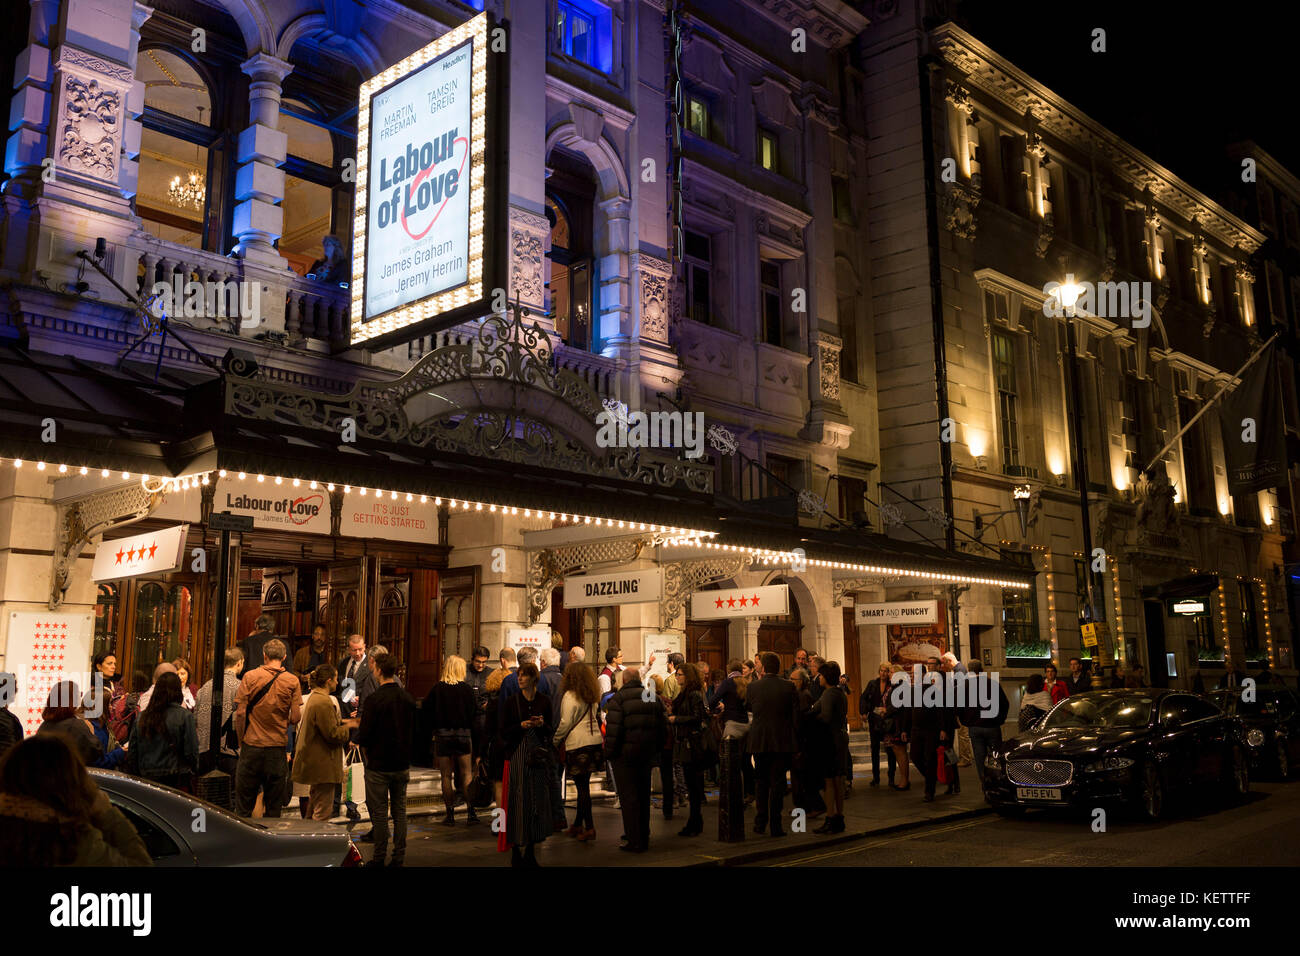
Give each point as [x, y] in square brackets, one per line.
[1068, 293]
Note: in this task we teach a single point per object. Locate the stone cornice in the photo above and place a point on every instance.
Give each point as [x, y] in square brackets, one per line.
[1277, 174]
[997, 77]
[830, 23]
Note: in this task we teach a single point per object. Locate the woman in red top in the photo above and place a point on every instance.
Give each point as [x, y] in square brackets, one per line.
[1053, 686]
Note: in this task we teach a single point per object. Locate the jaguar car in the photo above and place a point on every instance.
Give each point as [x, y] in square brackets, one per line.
[1137, 749]
[1272, 725]
[168, 823]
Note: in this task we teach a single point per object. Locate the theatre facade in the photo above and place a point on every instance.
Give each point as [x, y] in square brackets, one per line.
[437, 486]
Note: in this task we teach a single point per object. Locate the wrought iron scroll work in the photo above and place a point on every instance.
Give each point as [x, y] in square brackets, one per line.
[79, 521]
[683, 577]
[517, 405]
[848, 585]
[547, 567]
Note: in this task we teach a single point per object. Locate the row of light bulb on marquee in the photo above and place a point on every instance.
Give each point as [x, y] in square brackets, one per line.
[681, 536]
[188, 482]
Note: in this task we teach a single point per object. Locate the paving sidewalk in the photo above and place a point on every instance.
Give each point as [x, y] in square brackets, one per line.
[868, 811]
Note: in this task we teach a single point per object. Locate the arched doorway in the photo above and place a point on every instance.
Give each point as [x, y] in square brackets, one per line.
[782, 634]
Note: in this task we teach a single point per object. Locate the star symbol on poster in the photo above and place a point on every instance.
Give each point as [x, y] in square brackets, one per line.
[754, 600]
[731, 602]
[743, 600]
[718, 602]
[152, 549]
[130, 555]
[120, 552]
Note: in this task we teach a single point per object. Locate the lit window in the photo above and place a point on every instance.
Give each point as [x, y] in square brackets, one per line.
[583, 31]
[697, 116]
[767, 150]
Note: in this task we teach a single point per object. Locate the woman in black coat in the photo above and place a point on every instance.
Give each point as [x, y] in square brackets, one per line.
[872, 707]
[896, 723]
[527, 726]
[805, 771]
[450, 710]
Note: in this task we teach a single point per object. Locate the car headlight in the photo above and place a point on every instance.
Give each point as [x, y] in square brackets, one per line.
[1110, 763]
[1255, 737]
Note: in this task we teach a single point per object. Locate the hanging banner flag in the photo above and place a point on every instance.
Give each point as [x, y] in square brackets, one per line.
[741, 602]
[898, 612]
[625, 587]
[42, 649]
[1254, 440]
[140, 554]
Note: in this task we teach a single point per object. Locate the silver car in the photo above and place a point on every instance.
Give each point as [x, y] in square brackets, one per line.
[183, 830]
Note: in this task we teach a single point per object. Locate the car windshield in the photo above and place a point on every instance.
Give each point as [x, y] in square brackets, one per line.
[1102, 712]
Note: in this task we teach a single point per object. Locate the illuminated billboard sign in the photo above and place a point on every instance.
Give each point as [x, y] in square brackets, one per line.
[422, 252]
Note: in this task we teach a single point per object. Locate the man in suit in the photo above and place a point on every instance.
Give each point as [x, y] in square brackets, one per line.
[356, 678]
[1077, 682]
[636, 729]
[774, 710]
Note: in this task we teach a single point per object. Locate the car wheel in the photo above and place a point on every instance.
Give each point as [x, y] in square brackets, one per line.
[1239, 783]
[1153, 793]
[1283, 761]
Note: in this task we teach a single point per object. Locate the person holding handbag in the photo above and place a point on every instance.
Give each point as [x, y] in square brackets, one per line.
[450, 704]
[694, 742]
[526, 732]
[872, 704]
[577, 733]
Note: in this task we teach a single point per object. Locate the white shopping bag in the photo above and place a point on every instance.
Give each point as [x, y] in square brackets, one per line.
[354, 777]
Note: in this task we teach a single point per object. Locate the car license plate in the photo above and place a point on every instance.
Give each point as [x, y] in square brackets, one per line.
[1038, 793]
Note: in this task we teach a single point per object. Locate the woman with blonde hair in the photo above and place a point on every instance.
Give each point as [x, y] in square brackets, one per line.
[895, 723]
[578, 734]
[450, 706]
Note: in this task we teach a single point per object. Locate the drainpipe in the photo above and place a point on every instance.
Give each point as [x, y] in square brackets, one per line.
[928, 63]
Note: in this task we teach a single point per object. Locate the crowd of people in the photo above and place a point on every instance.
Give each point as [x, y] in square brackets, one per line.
[505, 738]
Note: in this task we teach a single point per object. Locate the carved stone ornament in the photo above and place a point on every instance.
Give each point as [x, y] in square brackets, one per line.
[90, 125]
[959, 205]
[547, 567]
[527, 251]
[959, 97]
[81, 520]
[656, 302]
[1157, 516]
[497, 393]
[1046, 233]
[828, 365]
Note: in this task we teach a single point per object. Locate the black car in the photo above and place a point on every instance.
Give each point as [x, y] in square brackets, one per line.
[1272, 726]
[1120, 747]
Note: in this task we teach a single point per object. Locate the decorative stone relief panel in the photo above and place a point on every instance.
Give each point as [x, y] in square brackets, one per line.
[528, 237]
[828, 365]
[90, 114]
[656, 303]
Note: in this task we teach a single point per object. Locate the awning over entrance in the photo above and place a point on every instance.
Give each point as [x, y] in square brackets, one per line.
[476, 439]
[1194, 585]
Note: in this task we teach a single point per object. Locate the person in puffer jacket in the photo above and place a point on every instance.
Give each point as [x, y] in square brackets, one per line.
[635, 731]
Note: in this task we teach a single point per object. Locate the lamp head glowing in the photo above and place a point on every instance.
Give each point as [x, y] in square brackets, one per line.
[1069, 291]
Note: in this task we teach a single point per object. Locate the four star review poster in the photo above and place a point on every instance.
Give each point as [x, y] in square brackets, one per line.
[417, 233]
[43, 648]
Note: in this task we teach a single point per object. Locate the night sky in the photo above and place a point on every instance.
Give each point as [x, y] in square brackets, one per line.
[1178, 81]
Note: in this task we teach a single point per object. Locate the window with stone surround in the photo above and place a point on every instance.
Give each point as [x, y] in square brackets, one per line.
[583, 31]
[771, 302]
[698, 263]
[769, 150]
[1004, 378]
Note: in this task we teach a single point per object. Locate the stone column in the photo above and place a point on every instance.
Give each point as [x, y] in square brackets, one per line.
[259, 182]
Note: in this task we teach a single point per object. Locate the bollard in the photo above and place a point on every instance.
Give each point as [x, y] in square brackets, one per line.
[731, 793]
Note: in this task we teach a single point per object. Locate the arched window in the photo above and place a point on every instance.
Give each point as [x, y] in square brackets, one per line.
[570, 197]
[311, 181]
[182, 157]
